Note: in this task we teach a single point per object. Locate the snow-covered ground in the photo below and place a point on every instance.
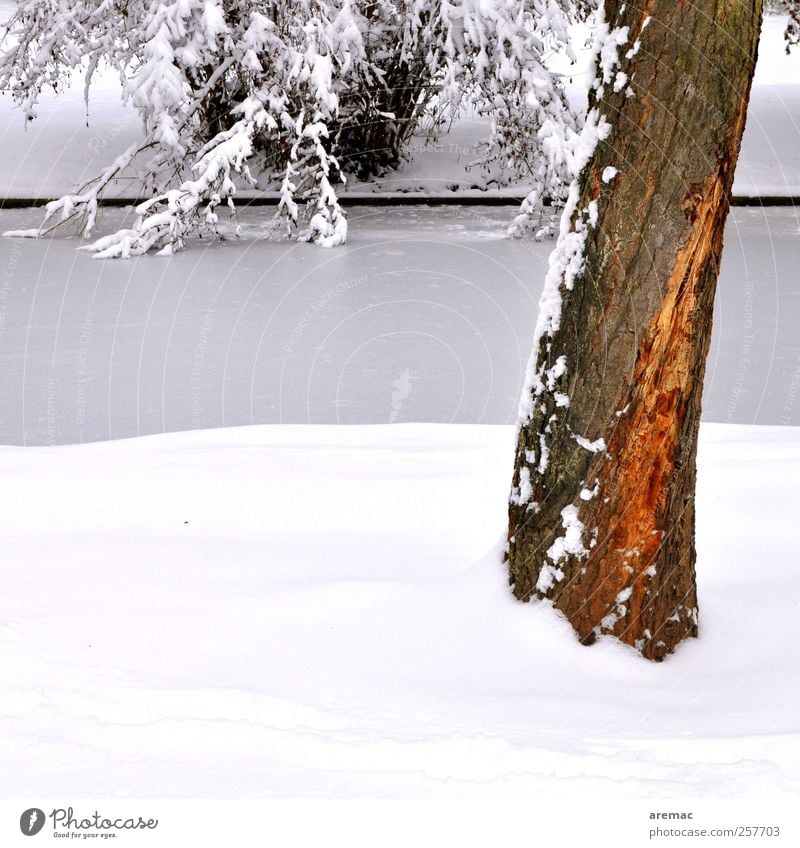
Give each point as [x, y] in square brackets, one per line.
[322, 611]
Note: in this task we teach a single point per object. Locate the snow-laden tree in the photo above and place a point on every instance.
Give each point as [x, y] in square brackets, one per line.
[791, 8]
[176, 60]
[298, 91]
[601, 513]
[496, 55]
[792, 34]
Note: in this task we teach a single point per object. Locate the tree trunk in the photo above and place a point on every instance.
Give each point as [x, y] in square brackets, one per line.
[601, 516]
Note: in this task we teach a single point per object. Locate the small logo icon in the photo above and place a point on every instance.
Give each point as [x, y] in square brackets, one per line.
[31, 821]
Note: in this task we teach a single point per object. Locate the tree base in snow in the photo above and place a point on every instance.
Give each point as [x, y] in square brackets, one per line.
[601, 516]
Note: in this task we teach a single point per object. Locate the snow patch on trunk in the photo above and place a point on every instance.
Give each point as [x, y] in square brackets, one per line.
[566, 261]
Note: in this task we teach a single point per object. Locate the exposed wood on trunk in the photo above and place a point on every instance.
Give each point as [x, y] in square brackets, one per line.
[635, 332]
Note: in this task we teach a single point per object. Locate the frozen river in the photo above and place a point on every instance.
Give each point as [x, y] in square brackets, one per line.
[426, 315]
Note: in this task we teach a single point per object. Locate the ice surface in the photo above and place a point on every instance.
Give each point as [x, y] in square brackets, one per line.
[253, 331]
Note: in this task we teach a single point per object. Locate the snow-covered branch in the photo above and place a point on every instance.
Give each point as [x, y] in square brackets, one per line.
[307, 90]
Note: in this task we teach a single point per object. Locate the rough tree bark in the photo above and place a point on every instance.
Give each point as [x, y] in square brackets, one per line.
[601, 517]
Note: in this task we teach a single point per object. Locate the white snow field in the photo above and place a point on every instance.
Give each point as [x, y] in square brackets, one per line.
[322, 611]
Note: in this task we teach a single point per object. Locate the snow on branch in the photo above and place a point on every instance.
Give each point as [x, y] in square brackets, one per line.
[299, 91]
[792, 34]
